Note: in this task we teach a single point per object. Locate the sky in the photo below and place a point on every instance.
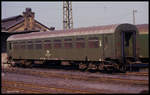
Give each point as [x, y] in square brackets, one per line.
[85, 14]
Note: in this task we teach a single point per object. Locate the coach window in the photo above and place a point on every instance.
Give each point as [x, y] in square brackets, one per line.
[93, 42]
[47, 44]
[15, 45]
[57, 44]
[80, 43]
[22, 45]
[106, 41]
[10, 46]
[38, 45]
[68, 43]
[30, 45]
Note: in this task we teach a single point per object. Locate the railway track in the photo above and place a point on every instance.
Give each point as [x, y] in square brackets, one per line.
[25, 87]
[138, 73]
[43, 73]
[22, 87]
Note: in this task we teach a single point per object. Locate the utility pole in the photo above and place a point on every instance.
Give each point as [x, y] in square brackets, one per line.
[67, 15]
[134, 11]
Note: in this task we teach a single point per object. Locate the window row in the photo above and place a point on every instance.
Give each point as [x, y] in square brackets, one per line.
[91, 44]
[58, 40]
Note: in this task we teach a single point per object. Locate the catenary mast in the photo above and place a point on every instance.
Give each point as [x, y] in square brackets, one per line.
[67, 15]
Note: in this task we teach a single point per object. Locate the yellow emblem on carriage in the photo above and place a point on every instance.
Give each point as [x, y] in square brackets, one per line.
[48, 53]
[100, 43]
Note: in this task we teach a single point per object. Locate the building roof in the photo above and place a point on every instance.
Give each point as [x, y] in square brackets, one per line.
[9, 22]
[11, 18]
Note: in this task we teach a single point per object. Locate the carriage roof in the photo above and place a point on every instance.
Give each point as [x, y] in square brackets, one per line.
[107, 29]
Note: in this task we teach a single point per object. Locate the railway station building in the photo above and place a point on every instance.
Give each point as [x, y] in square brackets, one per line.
[19, 24]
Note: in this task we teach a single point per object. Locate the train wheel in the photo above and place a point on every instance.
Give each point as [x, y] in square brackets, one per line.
[101, 67]
[12, 63]
[116, 67]
[28, 64]
[92, 66]
[82, 66]
[122, 69]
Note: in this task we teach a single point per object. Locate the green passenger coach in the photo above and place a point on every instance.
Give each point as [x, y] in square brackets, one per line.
[110, 47]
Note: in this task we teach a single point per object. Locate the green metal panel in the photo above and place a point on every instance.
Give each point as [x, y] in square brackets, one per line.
[109, 48]
[74, 53]
[143, 44]
[94, 54]
[117, 45]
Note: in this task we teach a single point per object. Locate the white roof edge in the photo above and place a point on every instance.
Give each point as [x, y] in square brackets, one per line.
[13, 37]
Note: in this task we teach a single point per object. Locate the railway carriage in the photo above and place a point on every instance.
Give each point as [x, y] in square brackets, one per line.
[110, 47]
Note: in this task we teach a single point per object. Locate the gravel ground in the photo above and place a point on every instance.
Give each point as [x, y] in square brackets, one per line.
[97, 87]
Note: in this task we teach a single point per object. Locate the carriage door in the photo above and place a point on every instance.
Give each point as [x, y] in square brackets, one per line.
[128, 43]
